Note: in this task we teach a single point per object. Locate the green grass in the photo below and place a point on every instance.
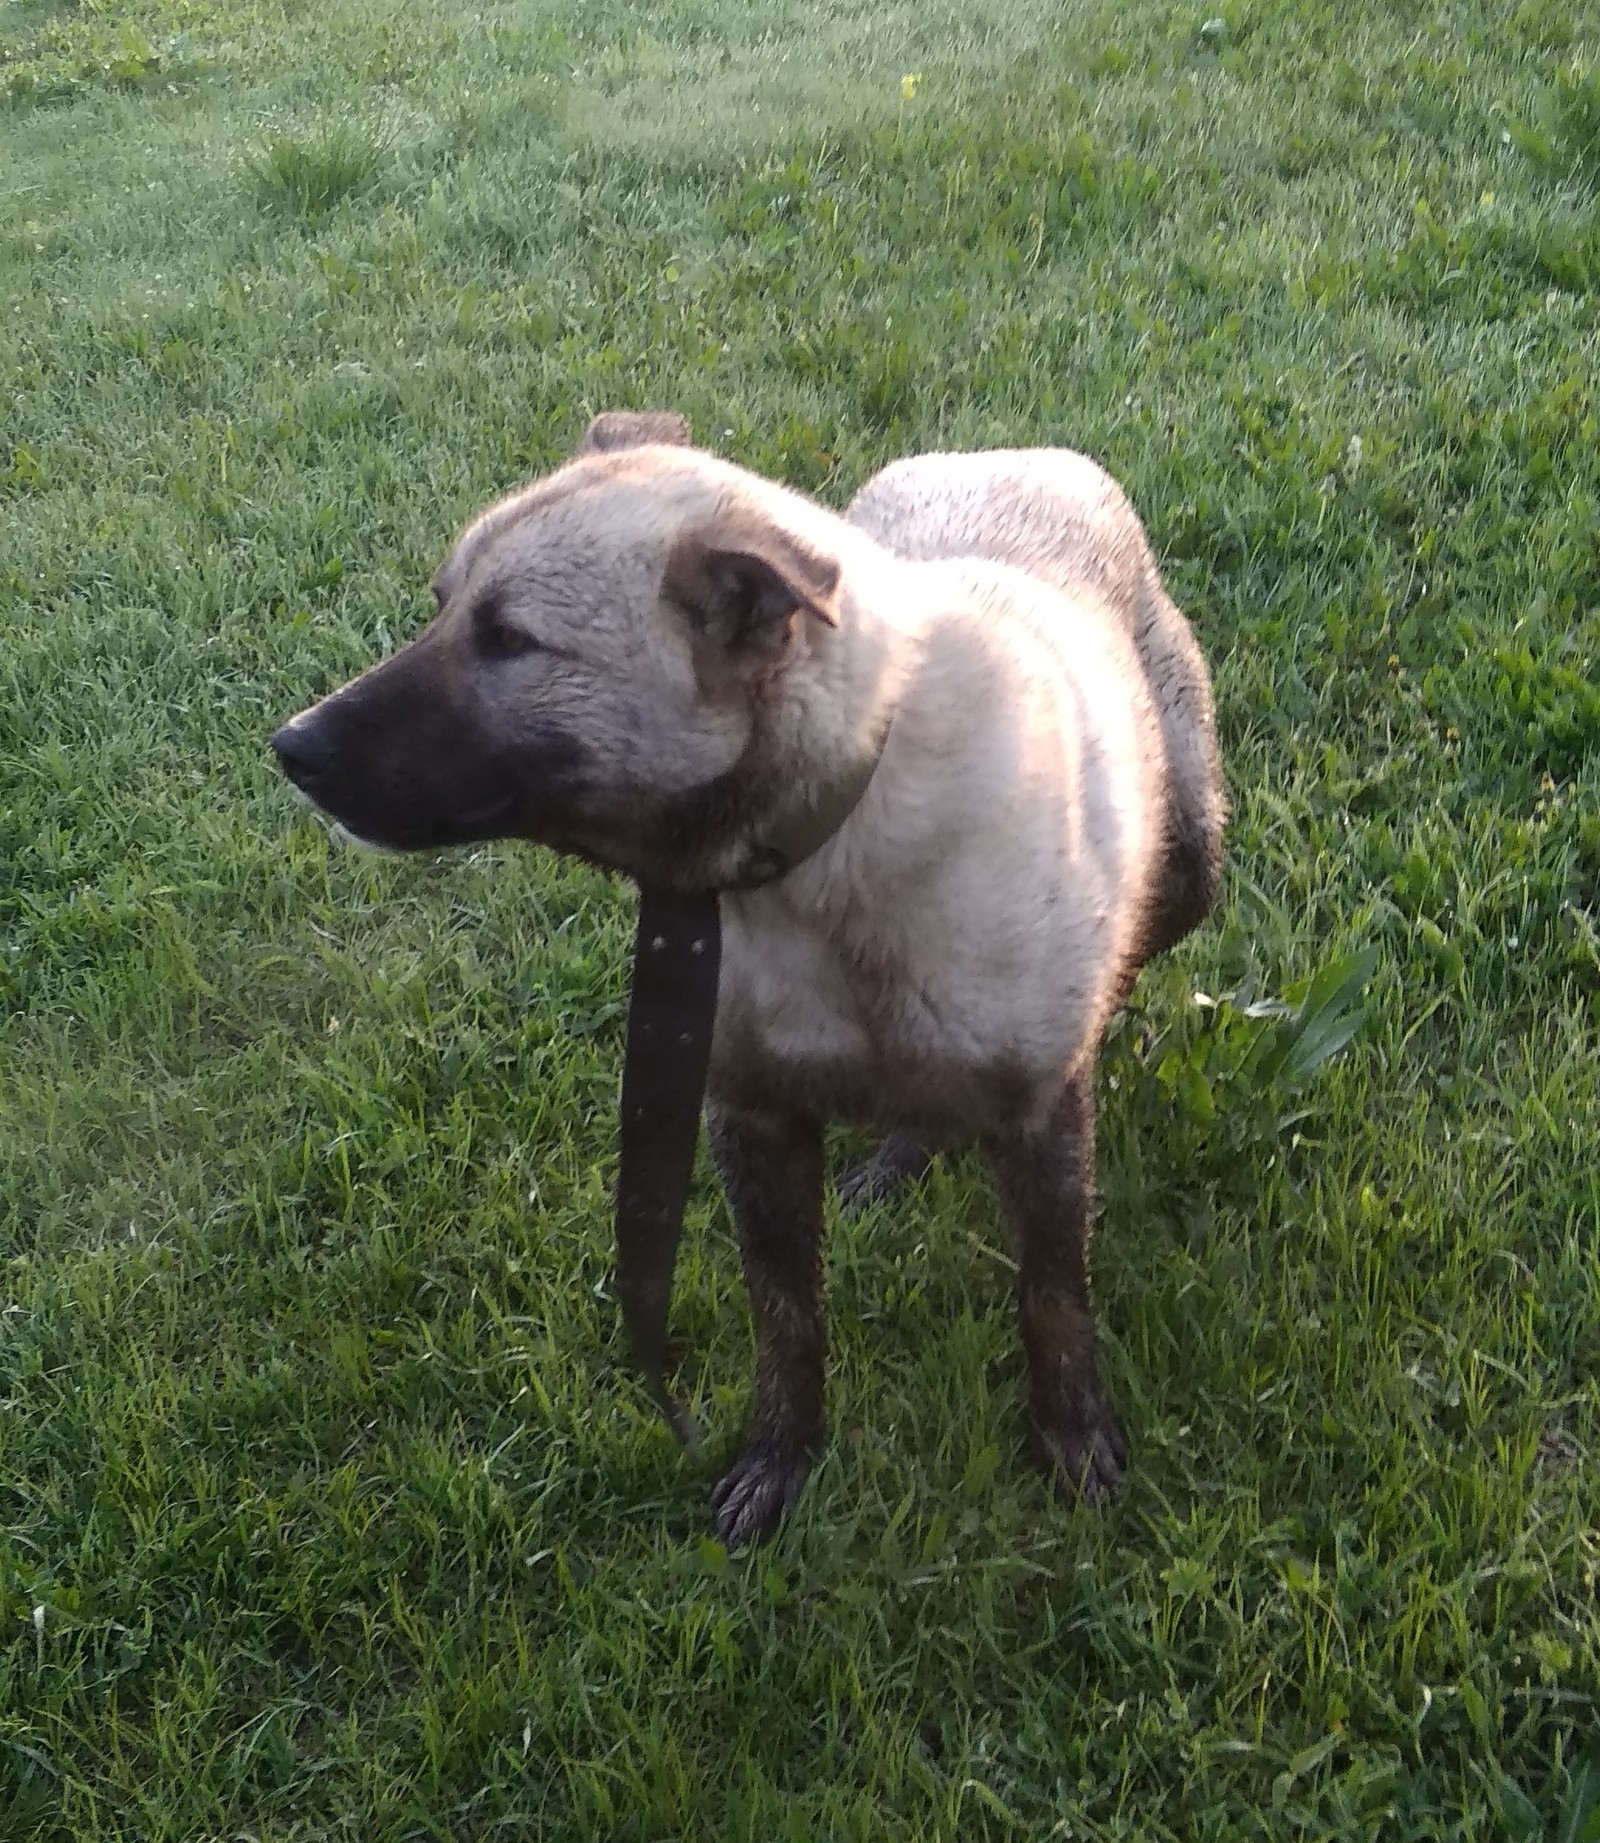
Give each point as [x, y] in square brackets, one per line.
[307, 175]
[327, 1506]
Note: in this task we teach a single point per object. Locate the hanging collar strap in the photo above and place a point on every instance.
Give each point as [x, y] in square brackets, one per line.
[672, 1013]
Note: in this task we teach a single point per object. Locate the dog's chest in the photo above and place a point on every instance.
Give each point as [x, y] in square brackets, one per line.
[848, 1027]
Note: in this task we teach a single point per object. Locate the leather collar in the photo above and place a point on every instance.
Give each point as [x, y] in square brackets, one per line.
[803, 833]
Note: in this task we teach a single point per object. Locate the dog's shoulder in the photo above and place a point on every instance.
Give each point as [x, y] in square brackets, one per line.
[1026, 628]
[1017, 705]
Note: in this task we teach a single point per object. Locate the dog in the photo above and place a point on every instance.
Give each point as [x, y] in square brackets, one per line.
[942, 798]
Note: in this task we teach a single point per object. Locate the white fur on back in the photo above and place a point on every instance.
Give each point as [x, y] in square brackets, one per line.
[1050, 511]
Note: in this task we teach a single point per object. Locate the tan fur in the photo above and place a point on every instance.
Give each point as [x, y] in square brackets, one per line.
[1060, 516]
[666, 664]
[960, 941]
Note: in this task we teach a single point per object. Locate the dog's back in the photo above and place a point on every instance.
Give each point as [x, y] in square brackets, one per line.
[1061, 517]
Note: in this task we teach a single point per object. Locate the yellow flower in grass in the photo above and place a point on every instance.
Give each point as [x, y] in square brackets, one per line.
[908, 84]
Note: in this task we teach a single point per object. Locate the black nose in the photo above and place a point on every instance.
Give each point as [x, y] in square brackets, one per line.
[301, 750]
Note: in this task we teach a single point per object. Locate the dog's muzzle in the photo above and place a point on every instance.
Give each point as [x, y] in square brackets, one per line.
[302, 754]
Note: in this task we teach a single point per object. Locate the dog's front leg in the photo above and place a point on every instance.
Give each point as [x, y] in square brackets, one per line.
[1046, 1172]
[770, 1163]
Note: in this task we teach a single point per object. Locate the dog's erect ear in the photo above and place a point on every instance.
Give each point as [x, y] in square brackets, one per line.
[614, 429]
[742, 579]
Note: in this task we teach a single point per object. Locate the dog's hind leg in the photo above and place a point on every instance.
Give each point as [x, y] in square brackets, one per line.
[1046, 1173]
[770, 1164]
[901, 1159]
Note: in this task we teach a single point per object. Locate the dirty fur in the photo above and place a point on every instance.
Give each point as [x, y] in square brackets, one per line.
[656, 660]
[1060, 516]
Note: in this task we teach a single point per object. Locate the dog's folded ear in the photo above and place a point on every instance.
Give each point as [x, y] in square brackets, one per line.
[614, 429]
[742, 579]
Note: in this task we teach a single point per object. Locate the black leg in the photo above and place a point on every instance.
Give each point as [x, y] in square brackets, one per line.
[771, 1169]
[901, 1159]
[1047, 1175]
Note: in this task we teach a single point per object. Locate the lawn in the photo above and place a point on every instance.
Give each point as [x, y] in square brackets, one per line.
[328, 1507]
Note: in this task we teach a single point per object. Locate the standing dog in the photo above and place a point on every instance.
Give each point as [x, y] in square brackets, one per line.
[943, 798]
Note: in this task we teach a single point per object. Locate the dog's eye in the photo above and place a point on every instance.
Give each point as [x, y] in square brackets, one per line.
[497, 637]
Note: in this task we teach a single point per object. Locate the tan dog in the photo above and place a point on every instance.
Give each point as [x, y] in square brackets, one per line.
[936, 793]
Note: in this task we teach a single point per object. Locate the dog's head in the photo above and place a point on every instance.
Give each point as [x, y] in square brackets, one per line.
[604, 644]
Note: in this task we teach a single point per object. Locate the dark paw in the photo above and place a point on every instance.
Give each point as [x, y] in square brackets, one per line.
[757, 1492]
[899, 1161]
[1087, 1448]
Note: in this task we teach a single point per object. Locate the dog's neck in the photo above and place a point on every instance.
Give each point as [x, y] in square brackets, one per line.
[817, 735]
[802, 832]
[817, 744]
[757, 821]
